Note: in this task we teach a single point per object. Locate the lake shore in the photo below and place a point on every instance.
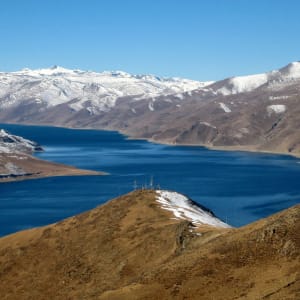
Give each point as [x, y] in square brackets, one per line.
[36, 168]
[239, 148]
[129, 136]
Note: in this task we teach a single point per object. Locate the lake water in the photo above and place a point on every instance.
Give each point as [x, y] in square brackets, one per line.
[240, 187]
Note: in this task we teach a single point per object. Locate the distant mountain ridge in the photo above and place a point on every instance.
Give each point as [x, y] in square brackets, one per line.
[257, 112]
[94, 92]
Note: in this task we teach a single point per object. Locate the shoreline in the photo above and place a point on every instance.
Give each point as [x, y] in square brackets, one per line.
[128, 136]
[249, 148]
[38, 176]
[35, 168]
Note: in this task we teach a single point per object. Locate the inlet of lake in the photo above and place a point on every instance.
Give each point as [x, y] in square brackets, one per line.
[239, 187]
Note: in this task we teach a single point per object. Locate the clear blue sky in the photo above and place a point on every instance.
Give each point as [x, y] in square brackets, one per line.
[204, 40]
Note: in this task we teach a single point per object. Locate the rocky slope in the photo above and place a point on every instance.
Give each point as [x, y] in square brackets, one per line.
[153, 245]
[16, 162]
[258, 112]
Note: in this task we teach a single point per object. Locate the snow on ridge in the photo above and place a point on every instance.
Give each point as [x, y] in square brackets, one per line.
[185, 209]
[225, 107]
[276, 108]
[150, 106]
[92, 91]
[248, 83]
[12, 143]
[55, 70]
[292, 70]
[273, 98]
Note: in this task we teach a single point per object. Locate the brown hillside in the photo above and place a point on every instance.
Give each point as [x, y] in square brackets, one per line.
[32, 168]
[130, 248]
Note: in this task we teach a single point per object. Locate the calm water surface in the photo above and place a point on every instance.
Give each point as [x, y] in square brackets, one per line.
[239, 187]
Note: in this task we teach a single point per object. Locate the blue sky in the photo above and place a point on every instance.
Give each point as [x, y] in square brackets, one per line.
[204, 40]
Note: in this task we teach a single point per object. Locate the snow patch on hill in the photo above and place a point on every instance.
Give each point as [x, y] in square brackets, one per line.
[225, 107]
[248, 83]
[185, 209]
[276, 108]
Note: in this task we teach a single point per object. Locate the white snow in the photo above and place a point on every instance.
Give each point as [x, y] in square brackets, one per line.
[150, 106]
[185, 209]
[242, 84]
[276, 108]
[98, 92]
[12, 143]
[225, 107]
[274, 79]
[95, 92]
[273, 98]
[291, 71]
[207, 124]
[247, 83]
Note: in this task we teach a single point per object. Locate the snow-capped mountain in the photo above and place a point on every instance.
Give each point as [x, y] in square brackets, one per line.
[258, 112]
[84, 90]
[269, 80]
[12, 143]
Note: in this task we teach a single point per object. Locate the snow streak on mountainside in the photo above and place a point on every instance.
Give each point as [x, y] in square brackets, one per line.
[94, 92]
[185, 209]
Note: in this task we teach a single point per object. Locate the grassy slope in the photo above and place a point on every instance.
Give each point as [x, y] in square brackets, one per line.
[130, 248]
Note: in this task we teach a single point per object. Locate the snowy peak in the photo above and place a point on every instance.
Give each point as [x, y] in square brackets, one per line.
[244, 84]
[186, 209]
[85, 90]
[53, 71]
[292, 70]
[98, 93]
[12, 143]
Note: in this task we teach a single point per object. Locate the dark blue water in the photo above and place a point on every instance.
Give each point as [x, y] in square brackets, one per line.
[239, 187]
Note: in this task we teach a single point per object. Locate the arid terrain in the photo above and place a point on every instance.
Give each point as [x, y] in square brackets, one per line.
[31, 168]
[135, 247]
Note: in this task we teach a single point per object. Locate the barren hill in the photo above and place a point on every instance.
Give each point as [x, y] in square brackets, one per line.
[153, 245]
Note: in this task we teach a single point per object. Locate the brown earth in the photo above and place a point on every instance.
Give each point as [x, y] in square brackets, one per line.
[37, 168]
[129, 248]
[197, 119]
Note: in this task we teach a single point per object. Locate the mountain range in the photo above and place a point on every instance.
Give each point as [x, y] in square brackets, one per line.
[257, 112]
